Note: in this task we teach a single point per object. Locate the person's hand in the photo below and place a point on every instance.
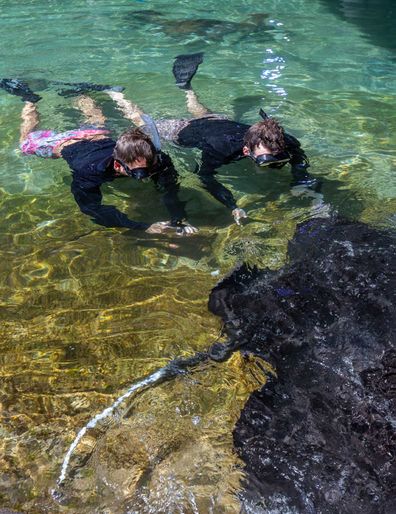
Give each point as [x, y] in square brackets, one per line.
[238, 215]
[185, 229]
[159, 228]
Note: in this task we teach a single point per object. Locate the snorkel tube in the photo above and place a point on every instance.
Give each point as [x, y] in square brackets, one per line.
[263, 114]
[150, 128]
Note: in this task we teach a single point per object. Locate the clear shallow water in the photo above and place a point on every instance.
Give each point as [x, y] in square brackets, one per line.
[87, 311]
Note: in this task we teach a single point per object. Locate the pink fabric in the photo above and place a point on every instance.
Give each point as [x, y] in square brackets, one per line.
[44, 142]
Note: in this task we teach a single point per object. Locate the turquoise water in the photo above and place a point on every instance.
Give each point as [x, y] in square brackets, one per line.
[86, 310]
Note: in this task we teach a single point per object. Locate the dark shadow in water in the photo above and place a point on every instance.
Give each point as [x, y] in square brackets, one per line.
[205, 29]
[376, 18]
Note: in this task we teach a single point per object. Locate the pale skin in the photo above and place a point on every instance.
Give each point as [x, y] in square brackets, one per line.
[94, 116]
[257, 151]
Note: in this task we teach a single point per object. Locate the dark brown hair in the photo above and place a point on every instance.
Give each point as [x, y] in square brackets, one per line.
[269, 133]
[134, 144]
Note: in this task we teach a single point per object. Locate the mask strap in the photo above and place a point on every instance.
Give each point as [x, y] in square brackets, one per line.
[126, 168]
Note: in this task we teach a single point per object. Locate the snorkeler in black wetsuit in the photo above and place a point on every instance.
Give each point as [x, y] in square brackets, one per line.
[222, 140]
[95, 162]
[94, 159]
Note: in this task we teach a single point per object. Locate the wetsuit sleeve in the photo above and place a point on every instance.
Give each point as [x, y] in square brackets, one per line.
[206, 172]
[299, 161]
[90, 202]
[167, 182]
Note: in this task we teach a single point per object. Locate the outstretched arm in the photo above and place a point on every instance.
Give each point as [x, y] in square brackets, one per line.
[90, 202]
[206, 173]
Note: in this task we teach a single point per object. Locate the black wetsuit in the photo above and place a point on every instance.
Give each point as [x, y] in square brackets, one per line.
[221, 142]
[92, 165]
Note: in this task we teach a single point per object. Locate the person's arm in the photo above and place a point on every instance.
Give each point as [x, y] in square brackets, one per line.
[166, 181]
[206, 172]
[90, 202]
[299, 161]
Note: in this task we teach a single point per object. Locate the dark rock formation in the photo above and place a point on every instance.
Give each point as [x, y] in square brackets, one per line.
[321, 436]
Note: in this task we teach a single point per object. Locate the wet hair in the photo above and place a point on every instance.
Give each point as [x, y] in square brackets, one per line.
[135, 144]
[269, 133]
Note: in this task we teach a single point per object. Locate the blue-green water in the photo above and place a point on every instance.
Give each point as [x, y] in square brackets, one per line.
[88, 310]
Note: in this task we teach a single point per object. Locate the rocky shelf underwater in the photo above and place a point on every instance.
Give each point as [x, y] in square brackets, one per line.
[320, 436]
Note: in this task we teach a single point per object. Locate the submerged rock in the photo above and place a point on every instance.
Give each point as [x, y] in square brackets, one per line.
[321, 436]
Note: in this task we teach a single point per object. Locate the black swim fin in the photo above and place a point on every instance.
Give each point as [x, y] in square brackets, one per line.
[18, 88]
[185, 67]
[83, 87]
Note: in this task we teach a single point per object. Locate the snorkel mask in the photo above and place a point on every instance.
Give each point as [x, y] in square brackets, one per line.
[136, 173]
[151, 130]
[268, 159]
